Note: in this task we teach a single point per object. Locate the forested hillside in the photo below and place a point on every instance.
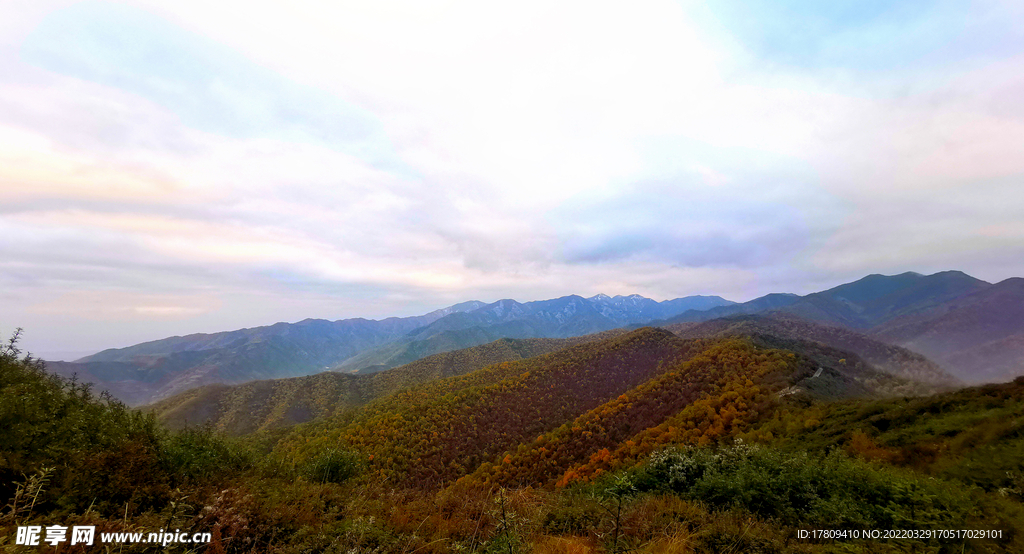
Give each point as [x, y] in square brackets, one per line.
[272, 404]
[533, 420]
[891, 359]
[974, 435]
[439, 431]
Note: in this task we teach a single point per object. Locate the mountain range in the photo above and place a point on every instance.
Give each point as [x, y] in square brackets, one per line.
[862, 304]
[858, 366]
[953, 323]
[153, 370]
[971, 328]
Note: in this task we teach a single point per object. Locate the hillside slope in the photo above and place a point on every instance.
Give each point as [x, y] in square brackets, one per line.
[886, 357]
[876, 299]
[440, 430]
[276, 403]
[979, 336]
[450, 428]
[973, 435]
[859, 305]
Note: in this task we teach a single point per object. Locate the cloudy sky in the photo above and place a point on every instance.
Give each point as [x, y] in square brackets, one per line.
[169, 167]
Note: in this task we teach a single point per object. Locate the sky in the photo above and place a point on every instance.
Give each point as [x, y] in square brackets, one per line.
[176, 167]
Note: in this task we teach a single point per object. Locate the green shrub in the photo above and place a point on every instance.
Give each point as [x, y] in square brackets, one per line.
[199, 453]
[49, 421]
[828, 490]
[572, 519]
[332, 466]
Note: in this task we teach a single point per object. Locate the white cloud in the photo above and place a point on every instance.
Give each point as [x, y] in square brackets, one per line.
[529, 135]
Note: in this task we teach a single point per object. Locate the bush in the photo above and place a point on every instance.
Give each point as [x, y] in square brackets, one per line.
[95, 444]
[827, 490]
[199, 454]
[332, 466]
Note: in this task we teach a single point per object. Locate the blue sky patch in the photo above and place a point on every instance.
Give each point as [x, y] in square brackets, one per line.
[209, 86]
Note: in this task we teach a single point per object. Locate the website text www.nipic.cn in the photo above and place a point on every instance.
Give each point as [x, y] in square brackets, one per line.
[34, 535]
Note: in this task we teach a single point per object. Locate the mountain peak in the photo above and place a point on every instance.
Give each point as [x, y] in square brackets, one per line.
[461, 307]
[957, 275]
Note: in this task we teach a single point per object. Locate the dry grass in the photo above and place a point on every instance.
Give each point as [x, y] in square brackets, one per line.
[564, 545]
[681, 542]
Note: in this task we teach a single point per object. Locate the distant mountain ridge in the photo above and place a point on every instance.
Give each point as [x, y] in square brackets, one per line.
[923, 375]
[980, 334]
[973, 329]
[568, 316]
[636, 307]
[862, 304]
[153, 370]
[148, 371]
[227, 339]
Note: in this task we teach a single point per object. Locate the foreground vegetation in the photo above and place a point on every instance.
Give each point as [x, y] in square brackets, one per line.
[693, 450]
